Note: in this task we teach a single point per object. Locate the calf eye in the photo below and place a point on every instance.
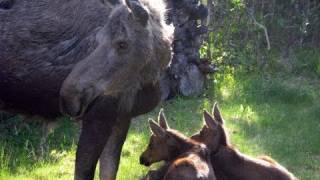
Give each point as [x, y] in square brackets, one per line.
[122, 45]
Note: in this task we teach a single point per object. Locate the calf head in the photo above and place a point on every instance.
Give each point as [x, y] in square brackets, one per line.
[161, 145]
[212, 134]
[127, 57]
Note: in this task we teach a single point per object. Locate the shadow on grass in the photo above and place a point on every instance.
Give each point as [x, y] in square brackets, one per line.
[20, 144]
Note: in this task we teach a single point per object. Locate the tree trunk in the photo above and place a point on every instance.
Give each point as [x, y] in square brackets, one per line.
[187, 73]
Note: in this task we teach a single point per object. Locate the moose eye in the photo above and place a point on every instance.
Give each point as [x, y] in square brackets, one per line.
[122, 45]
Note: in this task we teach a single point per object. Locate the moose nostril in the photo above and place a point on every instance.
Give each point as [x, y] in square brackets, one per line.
[143, 161]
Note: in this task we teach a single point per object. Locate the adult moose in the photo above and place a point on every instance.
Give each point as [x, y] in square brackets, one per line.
[98, 61]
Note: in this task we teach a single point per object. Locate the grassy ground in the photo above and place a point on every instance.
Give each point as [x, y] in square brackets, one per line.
[276, 115]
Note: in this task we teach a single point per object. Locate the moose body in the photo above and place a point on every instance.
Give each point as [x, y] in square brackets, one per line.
[40, 43]
[97, 61]
[185, 159]
[229, 163]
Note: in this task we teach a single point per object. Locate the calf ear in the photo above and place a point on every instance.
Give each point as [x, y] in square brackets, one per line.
[209, 120]
[139, 12]
[162, 120]
[216, 113]
[156, 129]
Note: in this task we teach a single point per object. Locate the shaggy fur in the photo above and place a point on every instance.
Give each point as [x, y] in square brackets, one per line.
[130, 54]
[40, 43]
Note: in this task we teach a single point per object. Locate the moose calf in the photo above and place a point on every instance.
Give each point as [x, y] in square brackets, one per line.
[185, 158]
[229, 163]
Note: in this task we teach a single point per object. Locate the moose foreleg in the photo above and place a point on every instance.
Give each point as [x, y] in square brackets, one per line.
[109, 159]
[146, 100]
[96, 128]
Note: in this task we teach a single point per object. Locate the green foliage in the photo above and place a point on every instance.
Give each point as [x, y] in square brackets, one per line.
[308, 61]
[20, 142]
[293, 31]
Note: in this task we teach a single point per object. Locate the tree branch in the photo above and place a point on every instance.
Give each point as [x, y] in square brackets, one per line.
[250, 13]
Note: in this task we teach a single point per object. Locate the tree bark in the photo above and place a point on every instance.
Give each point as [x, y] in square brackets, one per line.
[187, 73]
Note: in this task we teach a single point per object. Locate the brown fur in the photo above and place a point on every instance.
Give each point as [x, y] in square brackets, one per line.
[186, 159]
[268, 159]
[190, 166]
[229, 163]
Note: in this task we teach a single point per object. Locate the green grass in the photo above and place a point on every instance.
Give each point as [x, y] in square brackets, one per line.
[266, 114]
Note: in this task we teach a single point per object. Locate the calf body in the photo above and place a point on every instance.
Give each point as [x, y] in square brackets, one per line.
[185, 159]
[190, 166]
[228, 162]
[238, 166]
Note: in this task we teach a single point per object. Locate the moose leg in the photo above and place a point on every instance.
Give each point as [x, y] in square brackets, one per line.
[47, 128]
[109, 159]
[96, 128]
[146, 100]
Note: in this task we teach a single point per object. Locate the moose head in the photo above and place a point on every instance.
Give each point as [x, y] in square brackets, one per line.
[133, 49]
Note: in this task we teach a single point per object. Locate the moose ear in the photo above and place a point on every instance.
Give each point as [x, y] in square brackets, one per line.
[162, 120]
[209, 120]
[139, 12]
[156, 129]
[216, 113]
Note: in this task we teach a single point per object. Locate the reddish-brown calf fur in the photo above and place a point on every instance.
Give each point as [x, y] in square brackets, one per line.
[231, 164]
[185, 158]
[190, 166]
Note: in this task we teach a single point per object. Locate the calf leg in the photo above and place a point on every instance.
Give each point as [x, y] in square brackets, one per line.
[96, 128]
[109, 159]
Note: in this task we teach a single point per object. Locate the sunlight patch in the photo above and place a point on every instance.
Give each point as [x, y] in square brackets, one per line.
[246, 114]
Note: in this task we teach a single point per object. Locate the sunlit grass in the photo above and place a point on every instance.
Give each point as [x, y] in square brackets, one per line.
[273, 115]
